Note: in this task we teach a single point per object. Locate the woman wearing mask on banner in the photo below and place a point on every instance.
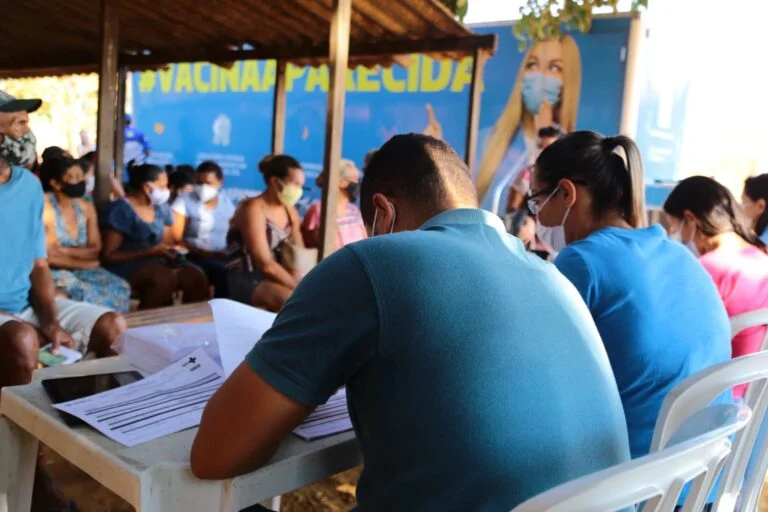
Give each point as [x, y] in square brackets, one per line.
[73, 240]
[754, 200]
[260, 228]
[201, 222]
[133, 229]
[704, 216]
[546, 94]
[657, 310]
[349, 223]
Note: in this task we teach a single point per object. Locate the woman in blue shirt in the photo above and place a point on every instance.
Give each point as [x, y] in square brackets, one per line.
[657, 310]
[135, 229]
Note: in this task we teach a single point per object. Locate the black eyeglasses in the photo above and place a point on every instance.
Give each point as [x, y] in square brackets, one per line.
[533, 205]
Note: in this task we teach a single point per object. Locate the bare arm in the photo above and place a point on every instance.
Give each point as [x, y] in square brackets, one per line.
[42, 297]
[253, 227]
[252, 416]
[63, 257]
[178, 228]
[111, 253]
[296, 237]
[117, 188]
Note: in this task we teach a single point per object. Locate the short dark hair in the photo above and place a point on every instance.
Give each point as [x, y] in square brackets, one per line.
[182, 176]
[54, 152]
[418, 169]
[550, 132]
[277, 166]
[53, 169]
[713, 206]
[138, 175]
[592, 159]
[756, 188]
[211, 166]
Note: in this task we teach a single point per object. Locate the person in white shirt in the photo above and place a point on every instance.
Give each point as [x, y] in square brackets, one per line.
[201, 222]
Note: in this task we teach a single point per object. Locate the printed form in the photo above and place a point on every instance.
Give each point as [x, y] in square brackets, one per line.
[164, 403]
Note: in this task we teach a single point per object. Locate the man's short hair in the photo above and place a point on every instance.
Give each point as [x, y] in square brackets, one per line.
[423, 171]
[550, 132]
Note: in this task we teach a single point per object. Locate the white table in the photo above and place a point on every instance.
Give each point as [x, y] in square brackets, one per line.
[153, 476]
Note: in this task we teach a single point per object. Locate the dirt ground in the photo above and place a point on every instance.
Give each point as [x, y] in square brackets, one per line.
[337, 494]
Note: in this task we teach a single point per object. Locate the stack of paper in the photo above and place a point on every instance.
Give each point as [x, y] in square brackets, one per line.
[166, 402]
[238, 329]
[330, 418]
[154, 347]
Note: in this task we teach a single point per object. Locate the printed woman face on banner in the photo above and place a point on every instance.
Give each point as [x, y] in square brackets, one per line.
[546, 93]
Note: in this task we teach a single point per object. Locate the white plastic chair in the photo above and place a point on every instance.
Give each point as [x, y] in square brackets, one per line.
[656, 479]
[751, 319]
[749, 446]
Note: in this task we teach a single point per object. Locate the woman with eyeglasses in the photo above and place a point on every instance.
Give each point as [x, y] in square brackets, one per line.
[657, 310]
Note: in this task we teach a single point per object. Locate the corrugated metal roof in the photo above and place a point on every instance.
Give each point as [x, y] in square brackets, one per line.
[45, 37]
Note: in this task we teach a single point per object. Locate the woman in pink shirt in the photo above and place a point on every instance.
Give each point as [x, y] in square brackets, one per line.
[349, 223]
[707, 219]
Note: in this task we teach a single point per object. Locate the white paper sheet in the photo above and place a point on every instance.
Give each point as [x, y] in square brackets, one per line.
[166, 402]
[330, 418]
[238, 328]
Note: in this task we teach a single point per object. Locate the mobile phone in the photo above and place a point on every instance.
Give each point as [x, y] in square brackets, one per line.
[48, 359]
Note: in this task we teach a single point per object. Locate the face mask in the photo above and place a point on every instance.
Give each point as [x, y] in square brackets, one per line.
[206, 192]
[159, 195]
[376, 215]
[353, 191]
[552, 235]
[689, 244]
[73, 190]
[538, 87]
[90, 184]
[290, 194]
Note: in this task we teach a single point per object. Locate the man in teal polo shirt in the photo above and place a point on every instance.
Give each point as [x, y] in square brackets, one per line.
[475, 375]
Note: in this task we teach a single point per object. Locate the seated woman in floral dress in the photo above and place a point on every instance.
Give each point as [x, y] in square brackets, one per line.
[73, 239]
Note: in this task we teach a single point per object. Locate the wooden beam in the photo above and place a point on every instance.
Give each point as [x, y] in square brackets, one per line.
[473, 115]
[278, 110]
[334, 123]
[105, 125]
[459, 45]
[122, 83]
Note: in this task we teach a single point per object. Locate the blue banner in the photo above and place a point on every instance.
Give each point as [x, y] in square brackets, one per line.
[197, 111]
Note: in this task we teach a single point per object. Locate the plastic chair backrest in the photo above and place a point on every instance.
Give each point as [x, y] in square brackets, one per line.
[751, 319]
[695, 393]
[655, 480]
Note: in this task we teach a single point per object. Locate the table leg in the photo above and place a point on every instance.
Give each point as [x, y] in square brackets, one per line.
[174, 489]
[18, 458]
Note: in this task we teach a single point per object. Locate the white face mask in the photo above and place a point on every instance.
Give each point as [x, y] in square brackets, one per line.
[159, 195]
[206, 192]
[554, 236]
[376, 215]
[90, 184]
[690, 243]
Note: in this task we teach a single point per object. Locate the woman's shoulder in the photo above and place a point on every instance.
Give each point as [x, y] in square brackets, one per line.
[117, 213]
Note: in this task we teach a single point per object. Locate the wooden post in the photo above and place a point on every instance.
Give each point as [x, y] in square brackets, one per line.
[278, 111]
[334, 124]
[122, 82]
[105, 125]
[473, 115]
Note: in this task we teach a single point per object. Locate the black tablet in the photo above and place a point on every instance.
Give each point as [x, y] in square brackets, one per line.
[71, 388]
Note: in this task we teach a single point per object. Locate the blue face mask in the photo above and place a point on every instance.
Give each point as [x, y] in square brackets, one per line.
[538, 87]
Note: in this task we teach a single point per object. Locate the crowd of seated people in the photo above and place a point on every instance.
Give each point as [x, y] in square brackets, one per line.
[431, 301]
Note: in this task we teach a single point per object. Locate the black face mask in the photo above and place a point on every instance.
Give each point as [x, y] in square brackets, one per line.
[353, 191]
[73, 190]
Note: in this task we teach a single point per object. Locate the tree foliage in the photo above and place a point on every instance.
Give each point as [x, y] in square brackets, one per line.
[547, 19]
[457, 7]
